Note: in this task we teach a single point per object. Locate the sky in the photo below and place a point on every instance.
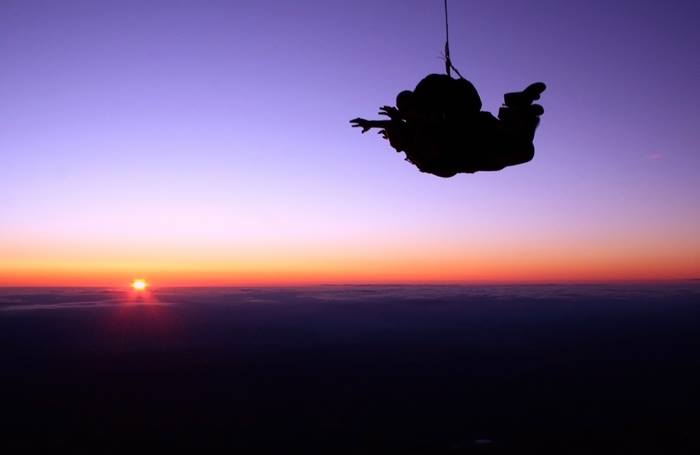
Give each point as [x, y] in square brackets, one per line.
[208, 143]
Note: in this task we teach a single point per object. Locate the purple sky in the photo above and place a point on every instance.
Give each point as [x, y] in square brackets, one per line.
[221, 127]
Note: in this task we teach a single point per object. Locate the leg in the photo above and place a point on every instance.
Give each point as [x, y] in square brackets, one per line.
[517, 130]
[519, 119]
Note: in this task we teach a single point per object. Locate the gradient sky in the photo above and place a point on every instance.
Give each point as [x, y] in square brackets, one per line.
[208, 142]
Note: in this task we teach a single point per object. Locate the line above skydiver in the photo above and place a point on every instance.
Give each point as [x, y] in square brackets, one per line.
[442, 130]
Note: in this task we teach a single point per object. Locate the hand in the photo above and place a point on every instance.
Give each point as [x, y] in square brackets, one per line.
[361, 123]
[390, 112]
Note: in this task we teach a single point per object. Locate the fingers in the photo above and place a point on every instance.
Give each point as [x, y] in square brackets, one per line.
[535, 90]
[359, 123]
[365, 128]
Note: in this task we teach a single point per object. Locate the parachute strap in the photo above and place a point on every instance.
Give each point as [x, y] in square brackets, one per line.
[448, 62]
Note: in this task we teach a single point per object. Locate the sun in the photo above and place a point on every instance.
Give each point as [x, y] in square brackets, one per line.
[139, 284]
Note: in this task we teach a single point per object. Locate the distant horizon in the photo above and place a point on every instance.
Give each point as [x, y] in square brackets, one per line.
[126, 286]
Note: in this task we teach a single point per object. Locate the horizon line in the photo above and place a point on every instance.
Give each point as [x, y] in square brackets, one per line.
[369, 284]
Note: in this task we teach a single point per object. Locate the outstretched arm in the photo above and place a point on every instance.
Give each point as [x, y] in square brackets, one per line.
[366, 125]
[390, 111]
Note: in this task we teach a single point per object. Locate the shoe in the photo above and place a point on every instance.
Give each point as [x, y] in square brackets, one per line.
[526, 97]
[533, 91]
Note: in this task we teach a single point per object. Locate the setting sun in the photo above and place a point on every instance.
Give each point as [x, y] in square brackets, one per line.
[139, 285]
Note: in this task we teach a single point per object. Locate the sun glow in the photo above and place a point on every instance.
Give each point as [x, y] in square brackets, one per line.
[139, 285]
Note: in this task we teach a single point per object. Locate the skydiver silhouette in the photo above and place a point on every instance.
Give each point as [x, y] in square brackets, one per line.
[442, 130]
